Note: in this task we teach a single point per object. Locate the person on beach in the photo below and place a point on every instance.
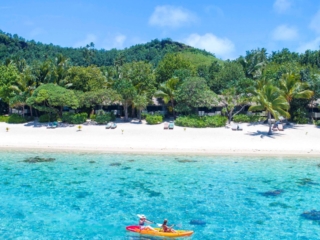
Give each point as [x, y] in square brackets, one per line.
[165, 228]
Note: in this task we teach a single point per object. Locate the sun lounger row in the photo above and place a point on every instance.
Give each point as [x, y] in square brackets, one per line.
[236, 128]
[169, 125]
[277, 127]
[111, 125]
[52, 125]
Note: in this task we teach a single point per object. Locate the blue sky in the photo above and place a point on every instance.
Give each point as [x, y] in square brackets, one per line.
[227, 28]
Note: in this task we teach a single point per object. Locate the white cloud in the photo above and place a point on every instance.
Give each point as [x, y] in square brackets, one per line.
[281, 6]
[221, 47]
[89, 38]
[312, 45]
[315, 22]
[171, 16]
[119, 40]
[115, 41]
[285, 33]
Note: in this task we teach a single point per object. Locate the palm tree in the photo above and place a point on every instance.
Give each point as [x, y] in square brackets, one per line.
[292, 87]
[140, 102]
[167, 92]
[271, 99]
[23, 89]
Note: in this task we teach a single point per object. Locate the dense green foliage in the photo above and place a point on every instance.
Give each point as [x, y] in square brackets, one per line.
[48, 118]
[154, 119]
[104, 118]
[16, 118]
[201, 122]
[46, 78]
[13, 46]
[4, 118]
[74, 118]
[241, 118]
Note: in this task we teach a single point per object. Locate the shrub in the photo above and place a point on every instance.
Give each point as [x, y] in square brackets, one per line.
[144, 115]
[154, 119]
[256, 118]
[79, 118]
[106, 117]
[67, 117]
[16, 118]
[74, 118]
[300, 116]
[93, 117]
[318, 123]
[241, 118]
[4, 118]
[215, 121]
[201, 122]
[47, 118]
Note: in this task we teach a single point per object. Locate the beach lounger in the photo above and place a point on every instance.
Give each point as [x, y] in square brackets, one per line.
[171, 125]
[113, 125]
[275, 127]
[239, 128]
[50, 125]
[165, 125]
[280, 127]
[54, 124]
[234, 127]
[108, 126]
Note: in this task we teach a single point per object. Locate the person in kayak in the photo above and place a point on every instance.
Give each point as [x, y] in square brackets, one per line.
[165, 228]
[142, 221]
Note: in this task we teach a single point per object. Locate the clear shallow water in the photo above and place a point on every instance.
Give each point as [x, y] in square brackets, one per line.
[85, 196]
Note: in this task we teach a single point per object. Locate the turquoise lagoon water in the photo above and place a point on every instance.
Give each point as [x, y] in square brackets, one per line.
[85, 196]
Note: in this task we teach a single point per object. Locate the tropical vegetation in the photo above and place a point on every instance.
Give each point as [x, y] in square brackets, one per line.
[44, 79]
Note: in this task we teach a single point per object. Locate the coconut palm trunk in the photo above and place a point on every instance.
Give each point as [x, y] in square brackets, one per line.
[172, 105]
[269, 122]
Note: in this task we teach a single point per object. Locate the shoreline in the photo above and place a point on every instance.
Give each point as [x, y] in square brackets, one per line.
[133, 138]
[172, 152]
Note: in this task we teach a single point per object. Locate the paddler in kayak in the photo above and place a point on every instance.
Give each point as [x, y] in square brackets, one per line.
[165, 228]
[142, 220]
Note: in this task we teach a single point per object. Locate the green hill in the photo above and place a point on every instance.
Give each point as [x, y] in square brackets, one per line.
[13, 46]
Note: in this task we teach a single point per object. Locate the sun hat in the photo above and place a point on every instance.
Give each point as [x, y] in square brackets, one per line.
[141, 216]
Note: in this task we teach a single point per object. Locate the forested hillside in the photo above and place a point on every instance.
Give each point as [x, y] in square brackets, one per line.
[13, 46]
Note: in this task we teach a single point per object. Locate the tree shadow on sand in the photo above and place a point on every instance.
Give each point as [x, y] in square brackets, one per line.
[264, 134]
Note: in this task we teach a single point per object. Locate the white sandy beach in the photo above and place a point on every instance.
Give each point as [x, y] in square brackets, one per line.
[143, 138]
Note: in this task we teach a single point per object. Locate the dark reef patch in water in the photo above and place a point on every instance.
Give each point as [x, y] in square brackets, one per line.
[115, 164]
[131, 160]
[279, 204]
[311, 215]
[272, 193]
[186, 161]
[38, 159]
[198, 222]
[82, 194]
[153, 193]
[306, 181]
[140, 169]
[125, 168]
[92, 161]
[75, 182]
